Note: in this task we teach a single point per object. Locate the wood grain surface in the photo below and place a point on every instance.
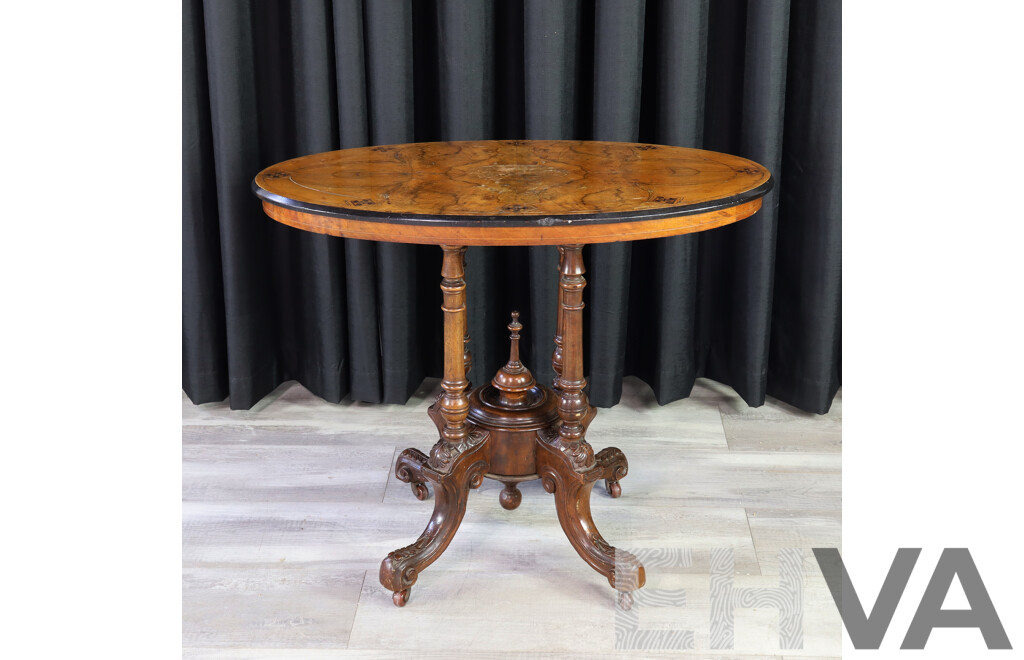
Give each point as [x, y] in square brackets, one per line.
[512, 192]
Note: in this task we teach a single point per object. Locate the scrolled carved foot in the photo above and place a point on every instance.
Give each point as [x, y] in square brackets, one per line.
[400, 598]
[510, 496]
[419, 489]
[612, 466]
[409, 466]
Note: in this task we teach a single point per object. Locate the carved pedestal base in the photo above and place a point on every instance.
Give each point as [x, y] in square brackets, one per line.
[542, 459]
[513, 430]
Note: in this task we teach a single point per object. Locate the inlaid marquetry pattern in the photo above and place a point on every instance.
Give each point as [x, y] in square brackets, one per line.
[533, 181]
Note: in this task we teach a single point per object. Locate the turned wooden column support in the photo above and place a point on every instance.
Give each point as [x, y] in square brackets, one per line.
[556, 356]
[573, 407]
[454, 404]
[456, 434]
[467, 355]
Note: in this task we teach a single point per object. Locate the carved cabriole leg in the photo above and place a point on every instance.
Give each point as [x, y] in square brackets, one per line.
[572, 500]
[401, 568]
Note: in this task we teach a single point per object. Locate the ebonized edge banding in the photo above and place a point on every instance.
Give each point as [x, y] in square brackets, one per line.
[517, 220]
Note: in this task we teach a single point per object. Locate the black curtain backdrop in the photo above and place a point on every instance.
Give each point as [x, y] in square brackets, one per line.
[755, 305]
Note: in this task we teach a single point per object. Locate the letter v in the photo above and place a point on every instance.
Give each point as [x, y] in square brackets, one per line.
[866, 632]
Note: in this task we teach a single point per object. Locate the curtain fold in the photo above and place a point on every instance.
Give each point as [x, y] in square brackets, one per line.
[805, 347]
[390, 66]
[550, 64]
[359, 281]
[246, 245]
[465, 29]
[204, 335]
[663, 279]
[738, 351]
[755, 305]
[618, 67]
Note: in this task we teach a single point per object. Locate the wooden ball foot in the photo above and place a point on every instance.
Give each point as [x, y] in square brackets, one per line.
[510, 496]
[420, 490]
[400, 598]
[614, 489]
[626, 600]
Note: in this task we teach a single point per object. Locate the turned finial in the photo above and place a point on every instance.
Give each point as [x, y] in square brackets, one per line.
[514, 327]
[514, 378]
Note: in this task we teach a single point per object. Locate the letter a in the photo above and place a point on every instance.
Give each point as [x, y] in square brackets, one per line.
[982, 615]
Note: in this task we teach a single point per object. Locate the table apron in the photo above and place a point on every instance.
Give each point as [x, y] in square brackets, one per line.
[554, 235]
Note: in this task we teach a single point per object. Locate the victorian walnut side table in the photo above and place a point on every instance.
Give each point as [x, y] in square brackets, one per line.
[512, 192]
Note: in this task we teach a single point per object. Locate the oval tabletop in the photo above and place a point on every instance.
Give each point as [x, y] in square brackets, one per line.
[512, 192]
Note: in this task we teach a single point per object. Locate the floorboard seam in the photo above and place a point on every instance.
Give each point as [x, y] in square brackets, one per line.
[387, 475]
[721, 420]
[753, 543]
[355, 612]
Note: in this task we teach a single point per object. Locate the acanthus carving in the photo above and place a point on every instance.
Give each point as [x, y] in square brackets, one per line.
[444, 453]
[579, 452]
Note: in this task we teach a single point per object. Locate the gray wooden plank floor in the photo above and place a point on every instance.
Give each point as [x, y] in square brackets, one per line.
[288, 509]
